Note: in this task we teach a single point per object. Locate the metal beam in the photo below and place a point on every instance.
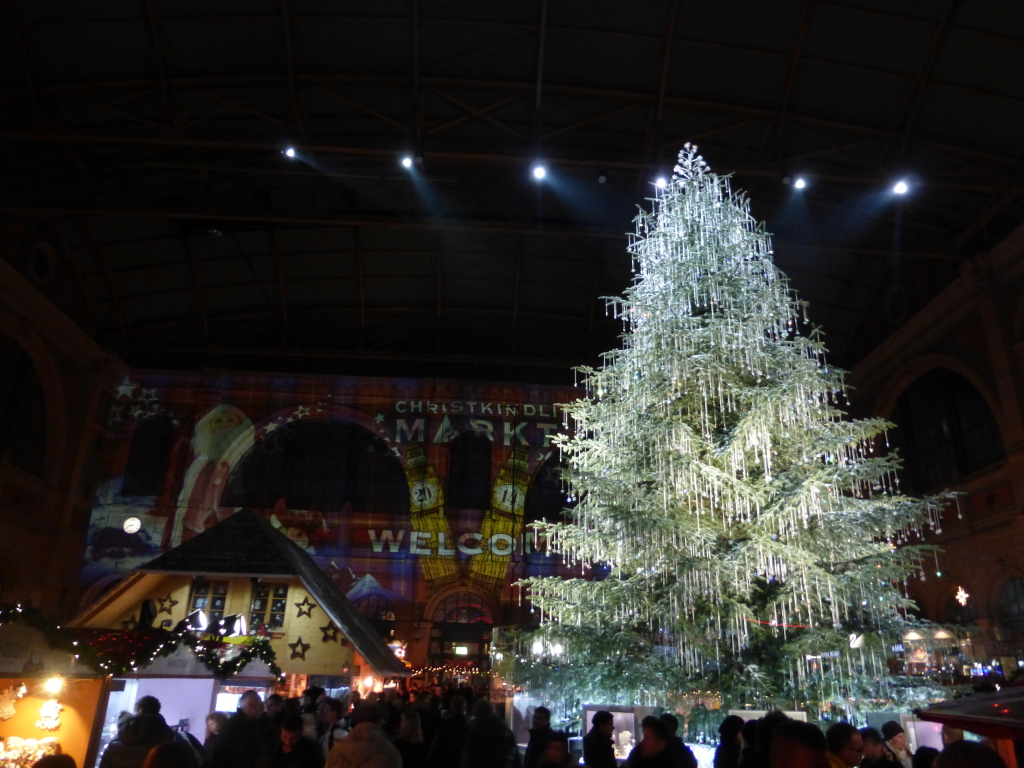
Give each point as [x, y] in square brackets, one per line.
[282, 287]
[77, 271]
[108, 280]
[787, 86]
[654, 124]
[394, 223]
[197, 284]
[289, 59]
[984, 218]
[909, 112]
[417, 95]
[361, 275]
[162, 63]
[470, 158]
[481, 113]
[463, 118]
[541, 39]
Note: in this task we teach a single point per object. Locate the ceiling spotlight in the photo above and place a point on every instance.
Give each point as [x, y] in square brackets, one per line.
[407, 162]
[900, 188]
[539, 172]
[661, 182]
[290, 152]
[800, 183]
[602, 177]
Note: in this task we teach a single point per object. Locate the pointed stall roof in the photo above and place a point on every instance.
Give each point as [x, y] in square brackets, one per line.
[247, 545]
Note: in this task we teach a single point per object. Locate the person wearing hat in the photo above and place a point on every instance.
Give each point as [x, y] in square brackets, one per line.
[896, 743]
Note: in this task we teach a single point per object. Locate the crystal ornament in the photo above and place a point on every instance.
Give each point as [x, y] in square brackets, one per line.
[716, 477]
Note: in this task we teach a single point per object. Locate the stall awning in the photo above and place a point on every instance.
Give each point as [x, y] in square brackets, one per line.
[998, 715]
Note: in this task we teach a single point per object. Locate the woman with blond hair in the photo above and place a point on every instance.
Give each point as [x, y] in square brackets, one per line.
[409, 742]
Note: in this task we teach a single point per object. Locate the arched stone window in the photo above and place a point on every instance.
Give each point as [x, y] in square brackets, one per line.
[152, 442]
[469, 471]
[462, 608]
[944, 431]
[1011, 603]
[323, 466]
[22, 409]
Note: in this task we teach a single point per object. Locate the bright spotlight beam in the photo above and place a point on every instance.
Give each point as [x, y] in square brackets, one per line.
[539, 172]
[800, 183]
[661, 182]
[900, 188]
[290, 152]
[407, 162]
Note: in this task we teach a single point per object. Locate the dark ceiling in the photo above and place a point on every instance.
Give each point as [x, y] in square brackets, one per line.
[145, 139]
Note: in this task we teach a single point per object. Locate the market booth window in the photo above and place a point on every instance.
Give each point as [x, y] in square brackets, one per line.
[945, 431]
[210, 597]
[22, 409]
[268, 608]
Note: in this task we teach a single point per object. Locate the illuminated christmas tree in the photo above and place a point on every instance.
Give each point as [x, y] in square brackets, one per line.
[727, 511]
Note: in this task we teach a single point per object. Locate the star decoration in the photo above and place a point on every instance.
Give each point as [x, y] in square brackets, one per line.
[301, 411]
[299, 649]
[125, 389]
[290, 419]
[330, 632]
[379, 418]
[270, 427]
[130, 622]
[961, 596]
[148, 396]
[166, 604]
[305, 607]
[115, 414]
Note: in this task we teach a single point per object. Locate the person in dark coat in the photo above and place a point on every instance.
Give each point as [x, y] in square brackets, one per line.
[655, 748]
[748, 735]
[727, 753]
[557, 754]
[137, 736]
[598, 746]
[682, 755]
[488, 743]
[409, 741]
[246, 737]
[539, 735]
[293, 750]
[446, 751]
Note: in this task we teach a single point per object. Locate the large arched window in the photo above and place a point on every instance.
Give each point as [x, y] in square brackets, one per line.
[462, 608]
[469, 471]
[320, 465]
[22, 409]
[1011, 603]
[152, 442]
[945, 431]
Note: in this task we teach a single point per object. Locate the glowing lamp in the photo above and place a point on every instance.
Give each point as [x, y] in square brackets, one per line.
[368, 682]
[800, 183]
[407, 162]
[661, 182]
[290, 152]
[900, 188]
[54, 685]
[461, 650]
[539, 172]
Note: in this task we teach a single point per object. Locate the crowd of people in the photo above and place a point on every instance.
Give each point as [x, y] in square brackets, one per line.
[777, 741]
[424, 730]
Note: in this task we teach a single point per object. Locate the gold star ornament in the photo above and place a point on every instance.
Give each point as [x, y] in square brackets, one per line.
[299, 649]
[166, 604]
[961, 596]
[306, 607]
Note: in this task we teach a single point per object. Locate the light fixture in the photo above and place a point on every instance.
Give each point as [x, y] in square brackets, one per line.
[538, 648]
[557, 649]
[800, 183]
[290, 152]
[461, 650]
[54, 685]
[661, 182]
[407, 162]
[900, 188]
[196, 620]
[539, 172]
[368, 682]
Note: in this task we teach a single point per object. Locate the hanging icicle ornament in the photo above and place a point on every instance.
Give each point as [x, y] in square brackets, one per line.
[719, 485]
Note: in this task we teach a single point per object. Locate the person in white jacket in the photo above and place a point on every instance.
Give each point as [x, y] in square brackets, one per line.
[366, 746]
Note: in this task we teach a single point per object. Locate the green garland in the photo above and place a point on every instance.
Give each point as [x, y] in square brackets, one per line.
[138, 649]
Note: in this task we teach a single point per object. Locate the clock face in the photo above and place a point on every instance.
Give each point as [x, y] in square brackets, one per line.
[510, 497]
[423, 494]
[131, 525]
